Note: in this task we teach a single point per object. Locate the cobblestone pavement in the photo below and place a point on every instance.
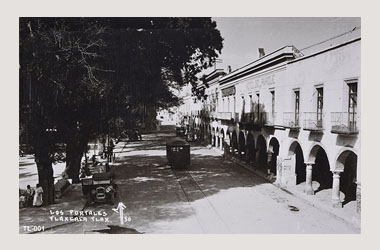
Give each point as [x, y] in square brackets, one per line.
[213, 195]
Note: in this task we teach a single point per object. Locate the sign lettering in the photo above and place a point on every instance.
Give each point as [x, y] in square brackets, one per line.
[229, 91]
[260, 82]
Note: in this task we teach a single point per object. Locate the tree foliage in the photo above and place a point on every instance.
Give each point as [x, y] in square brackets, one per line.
[88, 73]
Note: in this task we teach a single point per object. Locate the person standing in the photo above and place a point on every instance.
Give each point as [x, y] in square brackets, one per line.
[37, 201]
[110, 150]
[29, 195]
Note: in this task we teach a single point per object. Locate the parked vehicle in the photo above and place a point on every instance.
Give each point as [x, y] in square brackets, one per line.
[100, 188]
[178, 152]
[134, 135]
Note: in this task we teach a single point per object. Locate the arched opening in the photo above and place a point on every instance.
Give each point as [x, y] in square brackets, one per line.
[234, 143]
[242, 150]
[250, 149]
[209, 135]
[228, 138]
[205, 133]
[201, 132]
[295, 149]
[213, 141]
[274, 148]
[217, 143]
[321, 169]
[228, 142]
[222, 139]
[262, 157]
[348, 161]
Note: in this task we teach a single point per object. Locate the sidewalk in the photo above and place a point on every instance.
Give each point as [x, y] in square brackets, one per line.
[321, 200]
[72, 199]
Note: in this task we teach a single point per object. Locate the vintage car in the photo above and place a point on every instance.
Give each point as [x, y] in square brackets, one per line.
[178, 152]
[100, 188]
[134, 135]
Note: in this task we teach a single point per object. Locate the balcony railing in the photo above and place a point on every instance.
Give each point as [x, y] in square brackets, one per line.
[256, 118]
[224, 115]
[344, 123]
[313, 121]
[269, 118]
[291, 120]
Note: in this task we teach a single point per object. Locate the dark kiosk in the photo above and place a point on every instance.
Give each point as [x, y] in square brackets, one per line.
[178, 152]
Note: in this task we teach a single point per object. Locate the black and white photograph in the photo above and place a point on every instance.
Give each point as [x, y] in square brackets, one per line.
[189, 125]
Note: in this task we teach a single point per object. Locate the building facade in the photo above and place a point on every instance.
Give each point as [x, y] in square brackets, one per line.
[296, 118]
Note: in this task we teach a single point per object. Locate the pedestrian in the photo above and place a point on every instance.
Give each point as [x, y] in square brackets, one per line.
[110, 150]
[37, 201]
[108, 167]
[29, 195]
[102, 168]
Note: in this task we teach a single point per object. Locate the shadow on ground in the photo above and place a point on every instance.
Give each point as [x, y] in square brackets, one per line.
[152, 191]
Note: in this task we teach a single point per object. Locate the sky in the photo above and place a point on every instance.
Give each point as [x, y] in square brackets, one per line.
[244, 35]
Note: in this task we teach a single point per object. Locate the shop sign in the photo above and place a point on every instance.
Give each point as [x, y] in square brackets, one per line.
[229, 91]
[260, 82]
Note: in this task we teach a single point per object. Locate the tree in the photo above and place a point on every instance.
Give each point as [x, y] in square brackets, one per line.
[155, 55]
[88, 72]
[62, 58]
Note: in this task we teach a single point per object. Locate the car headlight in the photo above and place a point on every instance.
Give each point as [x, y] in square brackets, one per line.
[108, 189]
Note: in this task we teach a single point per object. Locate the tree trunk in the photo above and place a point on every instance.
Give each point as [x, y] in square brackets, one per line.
[45, 177]
[74, 153]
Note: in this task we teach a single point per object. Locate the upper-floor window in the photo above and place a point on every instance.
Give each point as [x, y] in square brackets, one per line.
[352, 97]
[228, 106]
[250, 103]
[296, 106]
[319, 104]
[242, 104]
[273, 101]
[258, 102]
[352, 103]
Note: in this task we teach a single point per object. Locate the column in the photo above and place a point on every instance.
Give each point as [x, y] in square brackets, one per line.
[217, 141]
[221, 142]
[336, 190]
[309, 171]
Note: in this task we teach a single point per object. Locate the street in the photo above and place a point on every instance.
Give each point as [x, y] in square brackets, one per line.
[213, 195]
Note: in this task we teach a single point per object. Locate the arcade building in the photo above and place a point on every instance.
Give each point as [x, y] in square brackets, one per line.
[293, 117]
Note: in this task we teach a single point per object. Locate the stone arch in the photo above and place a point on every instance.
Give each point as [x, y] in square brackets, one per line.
[261, 155]
[241, 146]
[250, 149]
[321, 168]
[341, 157]
[300, 166]
[274, 149]
[347, 163]
[315, 146]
